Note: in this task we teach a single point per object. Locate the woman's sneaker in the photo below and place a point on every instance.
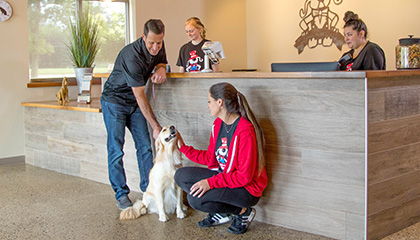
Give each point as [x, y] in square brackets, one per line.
[241, 223]
[214, 219]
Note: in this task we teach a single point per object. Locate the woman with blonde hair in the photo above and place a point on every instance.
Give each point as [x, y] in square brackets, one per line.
[235, 176]
[191, 57]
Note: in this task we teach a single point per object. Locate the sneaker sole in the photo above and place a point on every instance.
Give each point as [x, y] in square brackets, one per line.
[225, 220]
[250, 219]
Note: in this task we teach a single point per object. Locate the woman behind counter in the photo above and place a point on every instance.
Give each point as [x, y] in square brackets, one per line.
[191, 57]
[364, 55]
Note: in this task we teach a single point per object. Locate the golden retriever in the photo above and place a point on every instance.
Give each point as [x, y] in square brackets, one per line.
[162, 196]
[63, 94]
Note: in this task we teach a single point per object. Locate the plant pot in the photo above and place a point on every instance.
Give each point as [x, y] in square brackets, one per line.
[84, 83]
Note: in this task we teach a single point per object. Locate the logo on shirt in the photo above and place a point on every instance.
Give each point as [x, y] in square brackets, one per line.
[192, 64]
[349, 67]
[221, 154]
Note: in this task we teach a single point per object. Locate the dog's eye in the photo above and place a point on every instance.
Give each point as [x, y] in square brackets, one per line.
[164, 130]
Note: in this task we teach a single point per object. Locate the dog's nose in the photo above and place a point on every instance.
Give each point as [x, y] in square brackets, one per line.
[172, 129]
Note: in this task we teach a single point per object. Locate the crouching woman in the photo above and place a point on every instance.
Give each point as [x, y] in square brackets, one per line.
[235, 176]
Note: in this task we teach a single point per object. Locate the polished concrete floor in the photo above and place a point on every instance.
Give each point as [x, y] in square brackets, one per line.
[40, 204]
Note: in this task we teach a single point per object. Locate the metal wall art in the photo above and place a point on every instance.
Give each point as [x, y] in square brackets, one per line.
[319, 25]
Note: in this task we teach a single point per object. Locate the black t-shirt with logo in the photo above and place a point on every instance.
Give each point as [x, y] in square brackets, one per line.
[191, 57]
[132, 68]
[223, 141]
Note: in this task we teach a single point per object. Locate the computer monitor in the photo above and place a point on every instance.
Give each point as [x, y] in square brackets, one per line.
[304, 67]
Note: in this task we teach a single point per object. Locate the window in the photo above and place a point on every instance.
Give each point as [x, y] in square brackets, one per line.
[49, 33]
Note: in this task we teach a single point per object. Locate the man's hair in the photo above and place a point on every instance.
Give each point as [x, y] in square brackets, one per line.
[154, 25]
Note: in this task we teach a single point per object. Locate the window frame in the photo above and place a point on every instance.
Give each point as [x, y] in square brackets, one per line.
[53, 81]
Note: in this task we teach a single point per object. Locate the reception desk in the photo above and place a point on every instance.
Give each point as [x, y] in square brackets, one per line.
[342, 148]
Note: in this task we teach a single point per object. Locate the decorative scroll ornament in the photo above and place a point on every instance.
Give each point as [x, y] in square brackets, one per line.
[319, 25]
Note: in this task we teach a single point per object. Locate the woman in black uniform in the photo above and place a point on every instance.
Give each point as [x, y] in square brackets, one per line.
[364, 55]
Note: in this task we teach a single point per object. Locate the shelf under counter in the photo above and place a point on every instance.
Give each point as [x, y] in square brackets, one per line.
[73, 105]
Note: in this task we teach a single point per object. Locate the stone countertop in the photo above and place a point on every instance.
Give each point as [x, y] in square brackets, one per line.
[73, 105]
[257, 75]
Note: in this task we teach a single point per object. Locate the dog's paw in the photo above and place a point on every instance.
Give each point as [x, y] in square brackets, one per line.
[180, 214]
[143, 211]
[128, 213]
[163, 218]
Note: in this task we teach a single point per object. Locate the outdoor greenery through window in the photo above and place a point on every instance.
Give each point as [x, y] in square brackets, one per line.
[49, 33]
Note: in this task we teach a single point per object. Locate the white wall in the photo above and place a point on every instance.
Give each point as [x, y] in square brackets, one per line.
[14, 75]
[273, 27]
[14, 68]
[224, 19]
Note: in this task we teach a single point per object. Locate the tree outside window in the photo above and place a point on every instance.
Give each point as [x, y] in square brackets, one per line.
[49, 33]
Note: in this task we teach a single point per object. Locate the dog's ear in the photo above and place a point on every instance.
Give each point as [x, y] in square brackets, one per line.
[176, 155]
[158, 144]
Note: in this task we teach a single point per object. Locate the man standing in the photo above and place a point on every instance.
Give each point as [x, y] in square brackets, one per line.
[124, 104]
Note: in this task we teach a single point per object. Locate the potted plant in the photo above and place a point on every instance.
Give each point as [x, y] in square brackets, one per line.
[83, 48]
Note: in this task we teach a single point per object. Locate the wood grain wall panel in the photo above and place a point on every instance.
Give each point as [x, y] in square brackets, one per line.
[376, 106]
[320, 104]
[62, 115]
[293, 190]
[387, 222]
[93, 134]
[260, 101]
[71, 148]
[393, 103]
[48, 126]
[355, 226]
[36, 141]
[402, 102]
[394, 133]
[193, 127]
[99, 173]
[189, 100]
[392, 192]
[393, 81]
[337, 85]
[162, 99]
[338, 167]
[319, 133]
[187, 123]
[283, 159]
[393, 154]
[314, 220]
[393, 163]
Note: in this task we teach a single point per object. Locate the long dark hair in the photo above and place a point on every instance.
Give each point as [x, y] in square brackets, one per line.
[235, 102]
[353, 20]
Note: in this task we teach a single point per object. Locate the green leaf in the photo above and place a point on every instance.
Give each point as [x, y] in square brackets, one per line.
[84, 42]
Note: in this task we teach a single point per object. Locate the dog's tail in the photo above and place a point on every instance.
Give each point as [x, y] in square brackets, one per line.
[133, 212]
